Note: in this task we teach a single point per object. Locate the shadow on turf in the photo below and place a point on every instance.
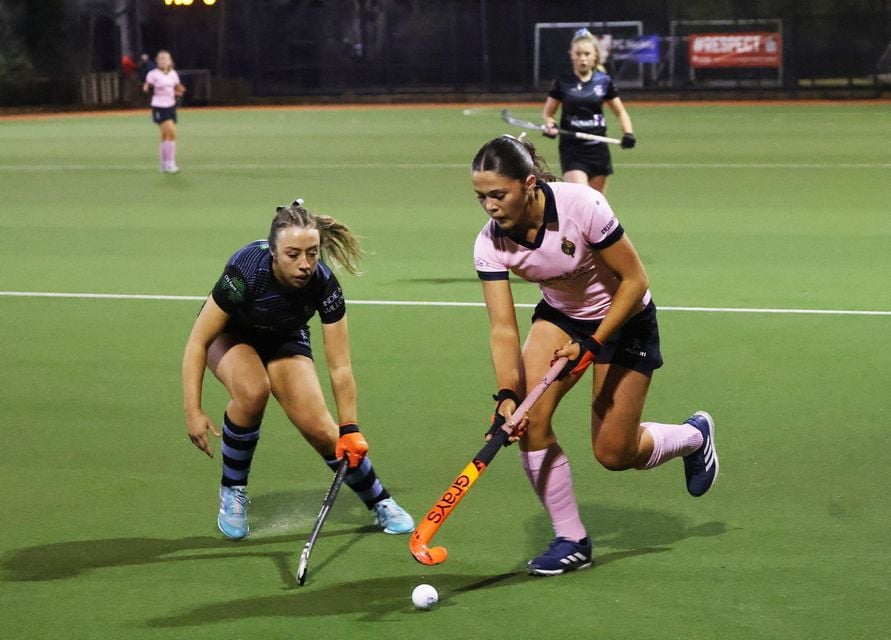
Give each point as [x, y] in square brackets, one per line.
[64, 560]
[637, 530]
[374, 598]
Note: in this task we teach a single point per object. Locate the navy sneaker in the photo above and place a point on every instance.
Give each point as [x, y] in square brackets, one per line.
[701, 466]
[562, 555]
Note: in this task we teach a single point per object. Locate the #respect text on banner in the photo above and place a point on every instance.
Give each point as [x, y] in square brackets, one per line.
[735, 50]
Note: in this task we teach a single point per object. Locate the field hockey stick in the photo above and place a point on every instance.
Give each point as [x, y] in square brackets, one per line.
[327, 503]
[419, 542]
[507, 117]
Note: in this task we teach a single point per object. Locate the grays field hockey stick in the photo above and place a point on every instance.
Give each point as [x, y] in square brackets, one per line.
[327, 503]
[419, 542]
[523, 124]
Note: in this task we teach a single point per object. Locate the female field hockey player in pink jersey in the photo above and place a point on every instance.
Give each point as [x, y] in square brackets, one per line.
[163, 82]
[596, 308]
[252, 334]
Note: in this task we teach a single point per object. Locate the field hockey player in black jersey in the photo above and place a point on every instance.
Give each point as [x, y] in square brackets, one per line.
[580, 96]
[252, 334]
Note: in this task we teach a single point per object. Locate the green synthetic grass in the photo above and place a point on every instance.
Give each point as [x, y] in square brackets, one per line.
[108, 511]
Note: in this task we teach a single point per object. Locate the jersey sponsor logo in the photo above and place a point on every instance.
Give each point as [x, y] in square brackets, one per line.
[568, 247]
[597, 120]
[609, 225]
[569, 275]
[234, 287]
[332, 302]
[480, 263]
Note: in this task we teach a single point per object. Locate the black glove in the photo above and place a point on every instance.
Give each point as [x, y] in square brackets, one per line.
[628, 141]
[589, 349]
[499, 420]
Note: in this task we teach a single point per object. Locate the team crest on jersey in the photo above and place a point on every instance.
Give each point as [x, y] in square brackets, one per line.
[568, 247]
[598, 91]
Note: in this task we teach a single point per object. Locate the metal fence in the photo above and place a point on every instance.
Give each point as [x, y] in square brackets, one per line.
[287, 48]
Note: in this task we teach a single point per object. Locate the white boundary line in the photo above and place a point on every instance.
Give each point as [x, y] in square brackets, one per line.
[267, 166]
[433, 303]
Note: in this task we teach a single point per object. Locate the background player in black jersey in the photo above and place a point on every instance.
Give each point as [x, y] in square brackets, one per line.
[252, 334]
[582, 94]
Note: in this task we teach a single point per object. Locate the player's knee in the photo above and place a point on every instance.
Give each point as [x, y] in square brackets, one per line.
[613, 458]
[252, 398]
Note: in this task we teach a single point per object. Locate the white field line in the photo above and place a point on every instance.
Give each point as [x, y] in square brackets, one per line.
[272, 166]
[434, 303]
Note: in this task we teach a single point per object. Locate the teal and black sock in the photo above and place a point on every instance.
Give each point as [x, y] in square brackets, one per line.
[238, 451]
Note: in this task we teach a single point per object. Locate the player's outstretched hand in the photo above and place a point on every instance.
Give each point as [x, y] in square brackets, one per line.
[351, 443]
[628, 141]
[198, 424]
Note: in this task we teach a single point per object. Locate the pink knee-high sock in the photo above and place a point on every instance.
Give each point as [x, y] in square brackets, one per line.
[671, 441]
[168, 152]
[162, 153]
[548, 472]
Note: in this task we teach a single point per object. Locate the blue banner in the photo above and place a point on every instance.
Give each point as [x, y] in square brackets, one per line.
[641, 49]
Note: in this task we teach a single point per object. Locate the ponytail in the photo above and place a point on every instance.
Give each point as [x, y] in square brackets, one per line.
[336, 240]
[513, 158]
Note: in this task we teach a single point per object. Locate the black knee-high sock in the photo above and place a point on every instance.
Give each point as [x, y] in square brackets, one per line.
[363, 480]
[238, 451]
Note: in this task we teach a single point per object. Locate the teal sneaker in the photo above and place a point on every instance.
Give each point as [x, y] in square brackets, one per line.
[392, 518]
[232, 520]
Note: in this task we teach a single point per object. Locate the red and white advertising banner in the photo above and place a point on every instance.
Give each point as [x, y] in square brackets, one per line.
[736, 50]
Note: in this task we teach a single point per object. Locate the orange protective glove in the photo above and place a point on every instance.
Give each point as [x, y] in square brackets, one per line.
[351, 443]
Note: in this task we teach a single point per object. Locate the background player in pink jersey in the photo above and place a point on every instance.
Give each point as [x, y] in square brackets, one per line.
[595, 308]
[581, 94]
[163, 82]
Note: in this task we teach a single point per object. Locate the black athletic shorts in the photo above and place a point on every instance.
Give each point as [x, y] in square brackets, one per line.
[160, 114]
[593, 159]
[634, 346]
[295, 343]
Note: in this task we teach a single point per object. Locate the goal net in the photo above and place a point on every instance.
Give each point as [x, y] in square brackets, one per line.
[551, 50]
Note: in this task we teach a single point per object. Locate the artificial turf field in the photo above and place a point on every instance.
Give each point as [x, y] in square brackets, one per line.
[108, 526]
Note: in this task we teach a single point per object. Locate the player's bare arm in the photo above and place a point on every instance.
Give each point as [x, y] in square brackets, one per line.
[208, 326]
[340, 369]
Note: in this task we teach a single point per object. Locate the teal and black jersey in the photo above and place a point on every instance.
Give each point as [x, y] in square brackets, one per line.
[260, 306]
[582, 102]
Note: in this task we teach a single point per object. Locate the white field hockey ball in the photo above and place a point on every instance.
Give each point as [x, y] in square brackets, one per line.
[424, 596]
